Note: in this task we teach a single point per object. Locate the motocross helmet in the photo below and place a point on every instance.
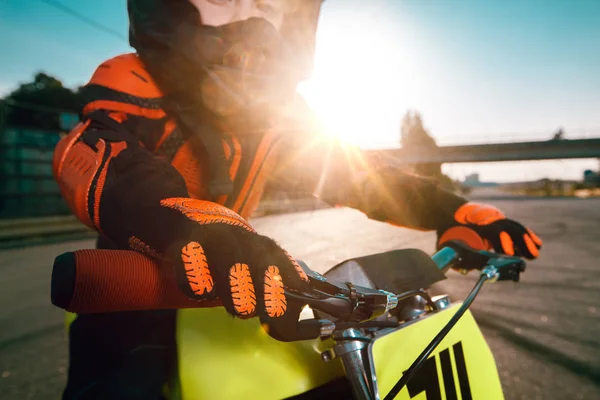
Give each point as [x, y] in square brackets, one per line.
[233, 79]
[234, 72]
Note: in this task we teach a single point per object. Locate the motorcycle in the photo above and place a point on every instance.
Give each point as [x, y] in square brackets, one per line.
[381, 334]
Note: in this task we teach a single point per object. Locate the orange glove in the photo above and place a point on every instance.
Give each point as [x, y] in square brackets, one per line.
[218, 256]
[484, 227]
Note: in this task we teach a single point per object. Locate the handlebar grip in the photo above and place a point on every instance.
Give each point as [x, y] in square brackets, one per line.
[100, 281]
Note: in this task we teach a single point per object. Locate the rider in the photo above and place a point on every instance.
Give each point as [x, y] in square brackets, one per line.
[174, 150]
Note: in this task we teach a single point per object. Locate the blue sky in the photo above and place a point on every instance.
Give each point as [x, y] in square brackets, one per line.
[484, 70]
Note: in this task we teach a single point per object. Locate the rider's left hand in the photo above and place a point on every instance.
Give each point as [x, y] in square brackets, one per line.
[484, 227]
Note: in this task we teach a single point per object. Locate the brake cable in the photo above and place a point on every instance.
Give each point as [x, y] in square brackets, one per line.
[353, 296]
[418, 363]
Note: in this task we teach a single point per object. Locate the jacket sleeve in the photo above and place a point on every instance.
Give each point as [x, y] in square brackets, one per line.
[345, 176]
[114, 185]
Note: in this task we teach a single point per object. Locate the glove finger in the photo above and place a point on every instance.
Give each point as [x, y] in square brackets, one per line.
[234, 283]
[299, 270]
[271, 254]
[507, 244]
[521, 249]
[492, 235]
[238, 292]
[280, 274]
[278, 314]
[276, 272]
[191, 268]
[197, 279]
[535, 238]
[524, 246]
[531, 246]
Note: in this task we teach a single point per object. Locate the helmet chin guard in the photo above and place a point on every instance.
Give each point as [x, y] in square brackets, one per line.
[152, 24]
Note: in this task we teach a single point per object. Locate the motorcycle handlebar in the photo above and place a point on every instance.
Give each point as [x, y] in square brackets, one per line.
[101, 281]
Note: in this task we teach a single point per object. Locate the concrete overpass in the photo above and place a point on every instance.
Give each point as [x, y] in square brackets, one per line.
[546, 150]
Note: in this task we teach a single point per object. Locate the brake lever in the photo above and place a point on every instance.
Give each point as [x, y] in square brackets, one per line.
[497, 267]
[468, 258]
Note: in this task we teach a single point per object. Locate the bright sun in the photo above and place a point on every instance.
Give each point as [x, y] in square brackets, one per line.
[357, 88]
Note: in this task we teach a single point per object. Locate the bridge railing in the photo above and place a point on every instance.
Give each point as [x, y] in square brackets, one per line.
[499, 138]
[515, 138]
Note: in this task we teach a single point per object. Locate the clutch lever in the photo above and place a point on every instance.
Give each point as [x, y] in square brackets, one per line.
[343, 301]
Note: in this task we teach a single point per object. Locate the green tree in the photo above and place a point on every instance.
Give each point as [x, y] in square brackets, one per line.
[413, 135]
[37, 104]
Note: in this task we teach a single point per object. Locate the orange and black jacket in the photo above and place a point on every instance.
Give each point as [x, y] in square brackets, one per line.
[127, 155]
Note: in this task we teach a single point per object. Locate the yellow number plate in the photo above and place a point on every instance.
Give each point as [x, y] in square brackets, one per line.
[462, 367]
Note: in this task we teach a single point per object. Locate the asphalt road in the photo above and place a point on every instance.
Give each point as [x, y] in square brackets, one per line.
[543, 331]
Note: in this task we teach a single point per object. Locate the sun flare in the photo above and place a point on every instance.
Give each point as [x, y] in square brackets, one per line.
[357, 88]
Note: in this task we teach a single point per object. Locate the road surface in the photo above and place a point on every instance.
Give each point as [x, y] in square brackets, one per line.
[544, 331]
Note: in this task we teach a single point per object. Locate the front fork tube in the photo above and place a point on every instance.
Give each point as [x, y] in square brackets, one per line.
[353, 350]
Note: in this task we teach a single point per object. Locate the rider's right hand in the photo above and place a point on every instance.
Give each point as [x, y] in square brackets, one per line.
[217, 255]
[140, 202]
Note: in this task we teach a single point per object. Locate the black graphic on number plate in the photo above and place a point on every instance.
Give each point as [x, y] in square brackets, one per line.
[426, 379]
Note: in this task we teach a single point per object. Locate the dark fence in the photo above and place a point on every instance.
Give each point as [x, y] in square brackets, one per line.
[27, 187]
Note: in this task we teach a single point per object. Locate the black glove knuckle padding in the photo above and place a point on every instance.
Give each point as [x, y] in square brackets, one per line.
[515, 230]
[230, 247]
